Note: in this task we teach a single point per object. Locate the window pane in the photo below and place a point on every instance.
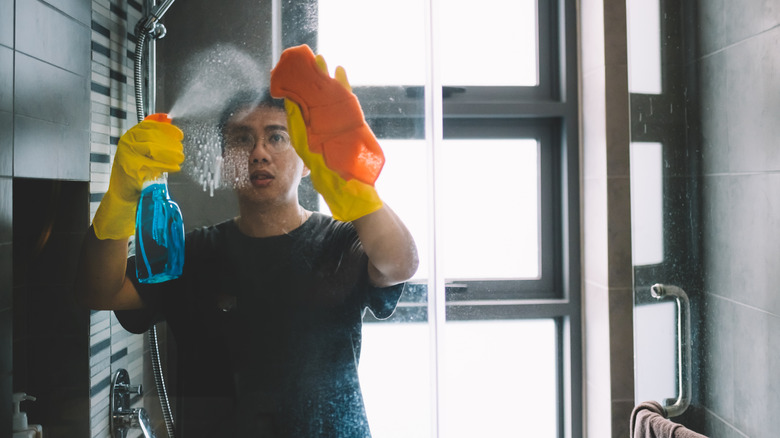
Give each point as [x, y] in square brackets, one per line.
[395, 378]
[492, 43]
[382, 43]
[378, 42]
[644, 46]
[489, 193]
[647, 223]
[499, 379]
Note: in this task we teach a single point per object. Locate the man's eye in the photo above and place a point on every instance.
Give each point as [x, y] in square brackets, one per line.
[279, 138]
[241, 140]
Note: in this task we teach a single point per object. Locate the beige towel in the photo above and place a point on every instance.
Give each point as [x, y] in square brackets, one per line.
[648, 421]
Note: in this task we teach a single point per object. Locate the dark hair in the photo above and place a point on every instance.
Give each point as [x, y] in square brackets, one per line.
[246, 100]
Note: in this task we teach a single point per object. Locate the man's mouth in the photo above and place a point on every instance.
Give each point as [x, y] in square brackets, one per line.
[260, 178]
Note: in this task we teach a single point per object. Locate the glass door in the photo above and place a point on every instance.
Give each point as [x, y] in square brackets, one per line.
[472, 106]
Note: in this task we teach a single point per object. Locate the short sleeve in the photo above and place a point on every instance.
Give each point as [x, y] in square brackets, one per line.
[382, 301]
[140, 320]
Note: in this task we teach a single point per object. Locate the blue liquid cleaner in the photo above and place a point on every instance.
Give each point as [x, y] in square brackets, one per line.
[159, 235]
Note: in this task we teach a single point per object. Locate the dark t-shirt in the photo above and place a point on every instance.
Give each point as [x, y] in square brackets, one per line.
[267, 331]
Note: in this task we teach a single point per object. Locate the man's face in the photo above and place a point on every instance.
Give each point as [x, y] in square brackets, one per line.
[259, 161]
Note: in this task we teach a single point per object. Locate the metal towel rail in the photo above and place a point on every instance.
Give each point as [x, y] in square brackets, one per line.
[675, 407]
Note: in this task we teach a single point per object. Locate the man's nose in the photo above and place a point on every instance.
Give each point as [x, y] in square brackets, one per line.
[260, 152]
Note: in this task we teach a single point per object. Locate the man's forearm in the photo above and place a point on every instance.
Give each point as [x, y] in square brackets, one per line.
[100, 278]
[391, 250]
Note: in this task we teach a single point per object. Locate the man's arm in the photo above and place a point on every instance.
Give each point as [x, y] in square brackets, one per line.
[101, 283]
[392, 253]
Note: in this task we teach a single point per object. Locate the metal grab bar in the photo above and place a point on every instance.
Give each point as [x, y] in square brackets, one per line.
[675, 407]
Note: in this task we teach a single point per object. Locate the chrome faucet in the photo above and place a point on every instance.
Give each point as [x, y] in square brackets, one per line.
[123, 417]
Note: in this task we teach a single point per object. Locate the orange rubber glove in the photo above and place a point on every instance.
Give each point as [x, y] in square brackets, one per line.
[144, 152]
[335, 125]
[349, 197]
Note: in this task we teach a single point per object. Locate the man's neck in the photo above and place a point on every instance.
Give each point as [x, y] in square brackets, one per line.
[275, 221]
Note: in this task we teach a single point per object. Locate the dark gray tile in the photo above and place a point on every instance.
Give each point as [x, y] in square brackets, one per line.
[46, 33]
[748, 18]
[48, 150]
[715, 427]
[713, 115]
[752, 110]
[773, 383]
[6, 407]
[6, 79]
[752, 374]
[6, 210]
[716, 235]
[718, 359]
[6, 278]
[6, 144]
[78, 9]
[711, 20]
[6, 341]
[43, 91]
[754, 213]
[6, 30]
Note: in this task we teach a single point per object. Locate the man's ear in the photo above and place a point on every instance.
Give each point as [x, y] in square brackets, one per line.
[306, 171]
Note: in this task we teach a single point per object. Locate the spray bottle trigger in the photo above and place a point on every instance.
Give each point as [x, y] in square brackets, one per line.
[159, 117]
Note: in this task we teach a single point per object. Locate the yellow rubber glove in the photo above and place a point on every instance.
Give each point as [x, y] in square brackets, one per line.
[347, 199]
[144, 152]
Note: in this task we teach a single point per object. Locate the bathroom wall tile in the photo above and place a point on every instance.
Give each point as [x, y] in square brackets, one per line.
[752, 374]
[753, 130]
[621, 344]
[7, 23]
[772, 382]
[714, 426]
[6, 210]
[714, 114]
[718, 358]
[6, 144]
[618, 132]
[49, 93]
[717, 241]
[78, 9]
[6, 278]
[619, 232]
[615, 31]
[711, 20]
[621, 418]
[754, 215]
[746, 19]
[6, 406]
[6, 79]
[47, 150]
[47, 34]
[6, 341]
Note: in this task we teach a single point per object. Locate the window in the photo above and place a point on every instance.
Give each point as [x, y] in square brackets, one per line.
[484, 173]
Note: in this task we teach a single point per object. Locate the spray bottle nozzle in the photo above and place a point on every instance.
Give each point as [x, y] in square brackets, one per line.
[159, 117]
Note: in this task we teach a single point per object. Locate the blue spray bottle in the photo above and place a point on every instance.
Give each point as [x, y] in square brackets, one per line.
[159, 229]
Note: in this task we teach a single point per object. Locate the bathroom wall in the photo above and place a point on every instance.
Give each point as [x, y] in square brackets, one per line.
[738, 61]
[112, 104]
[606, 215]
[44, 173]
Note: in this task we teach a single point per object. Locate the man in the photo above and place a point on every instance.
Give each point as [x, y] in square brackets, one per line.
[267, 314]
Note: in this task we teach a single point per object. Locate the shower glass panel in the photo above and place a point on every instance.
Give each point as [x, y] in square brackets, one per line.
[496, 362]
[476, 112]
[664, 204]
